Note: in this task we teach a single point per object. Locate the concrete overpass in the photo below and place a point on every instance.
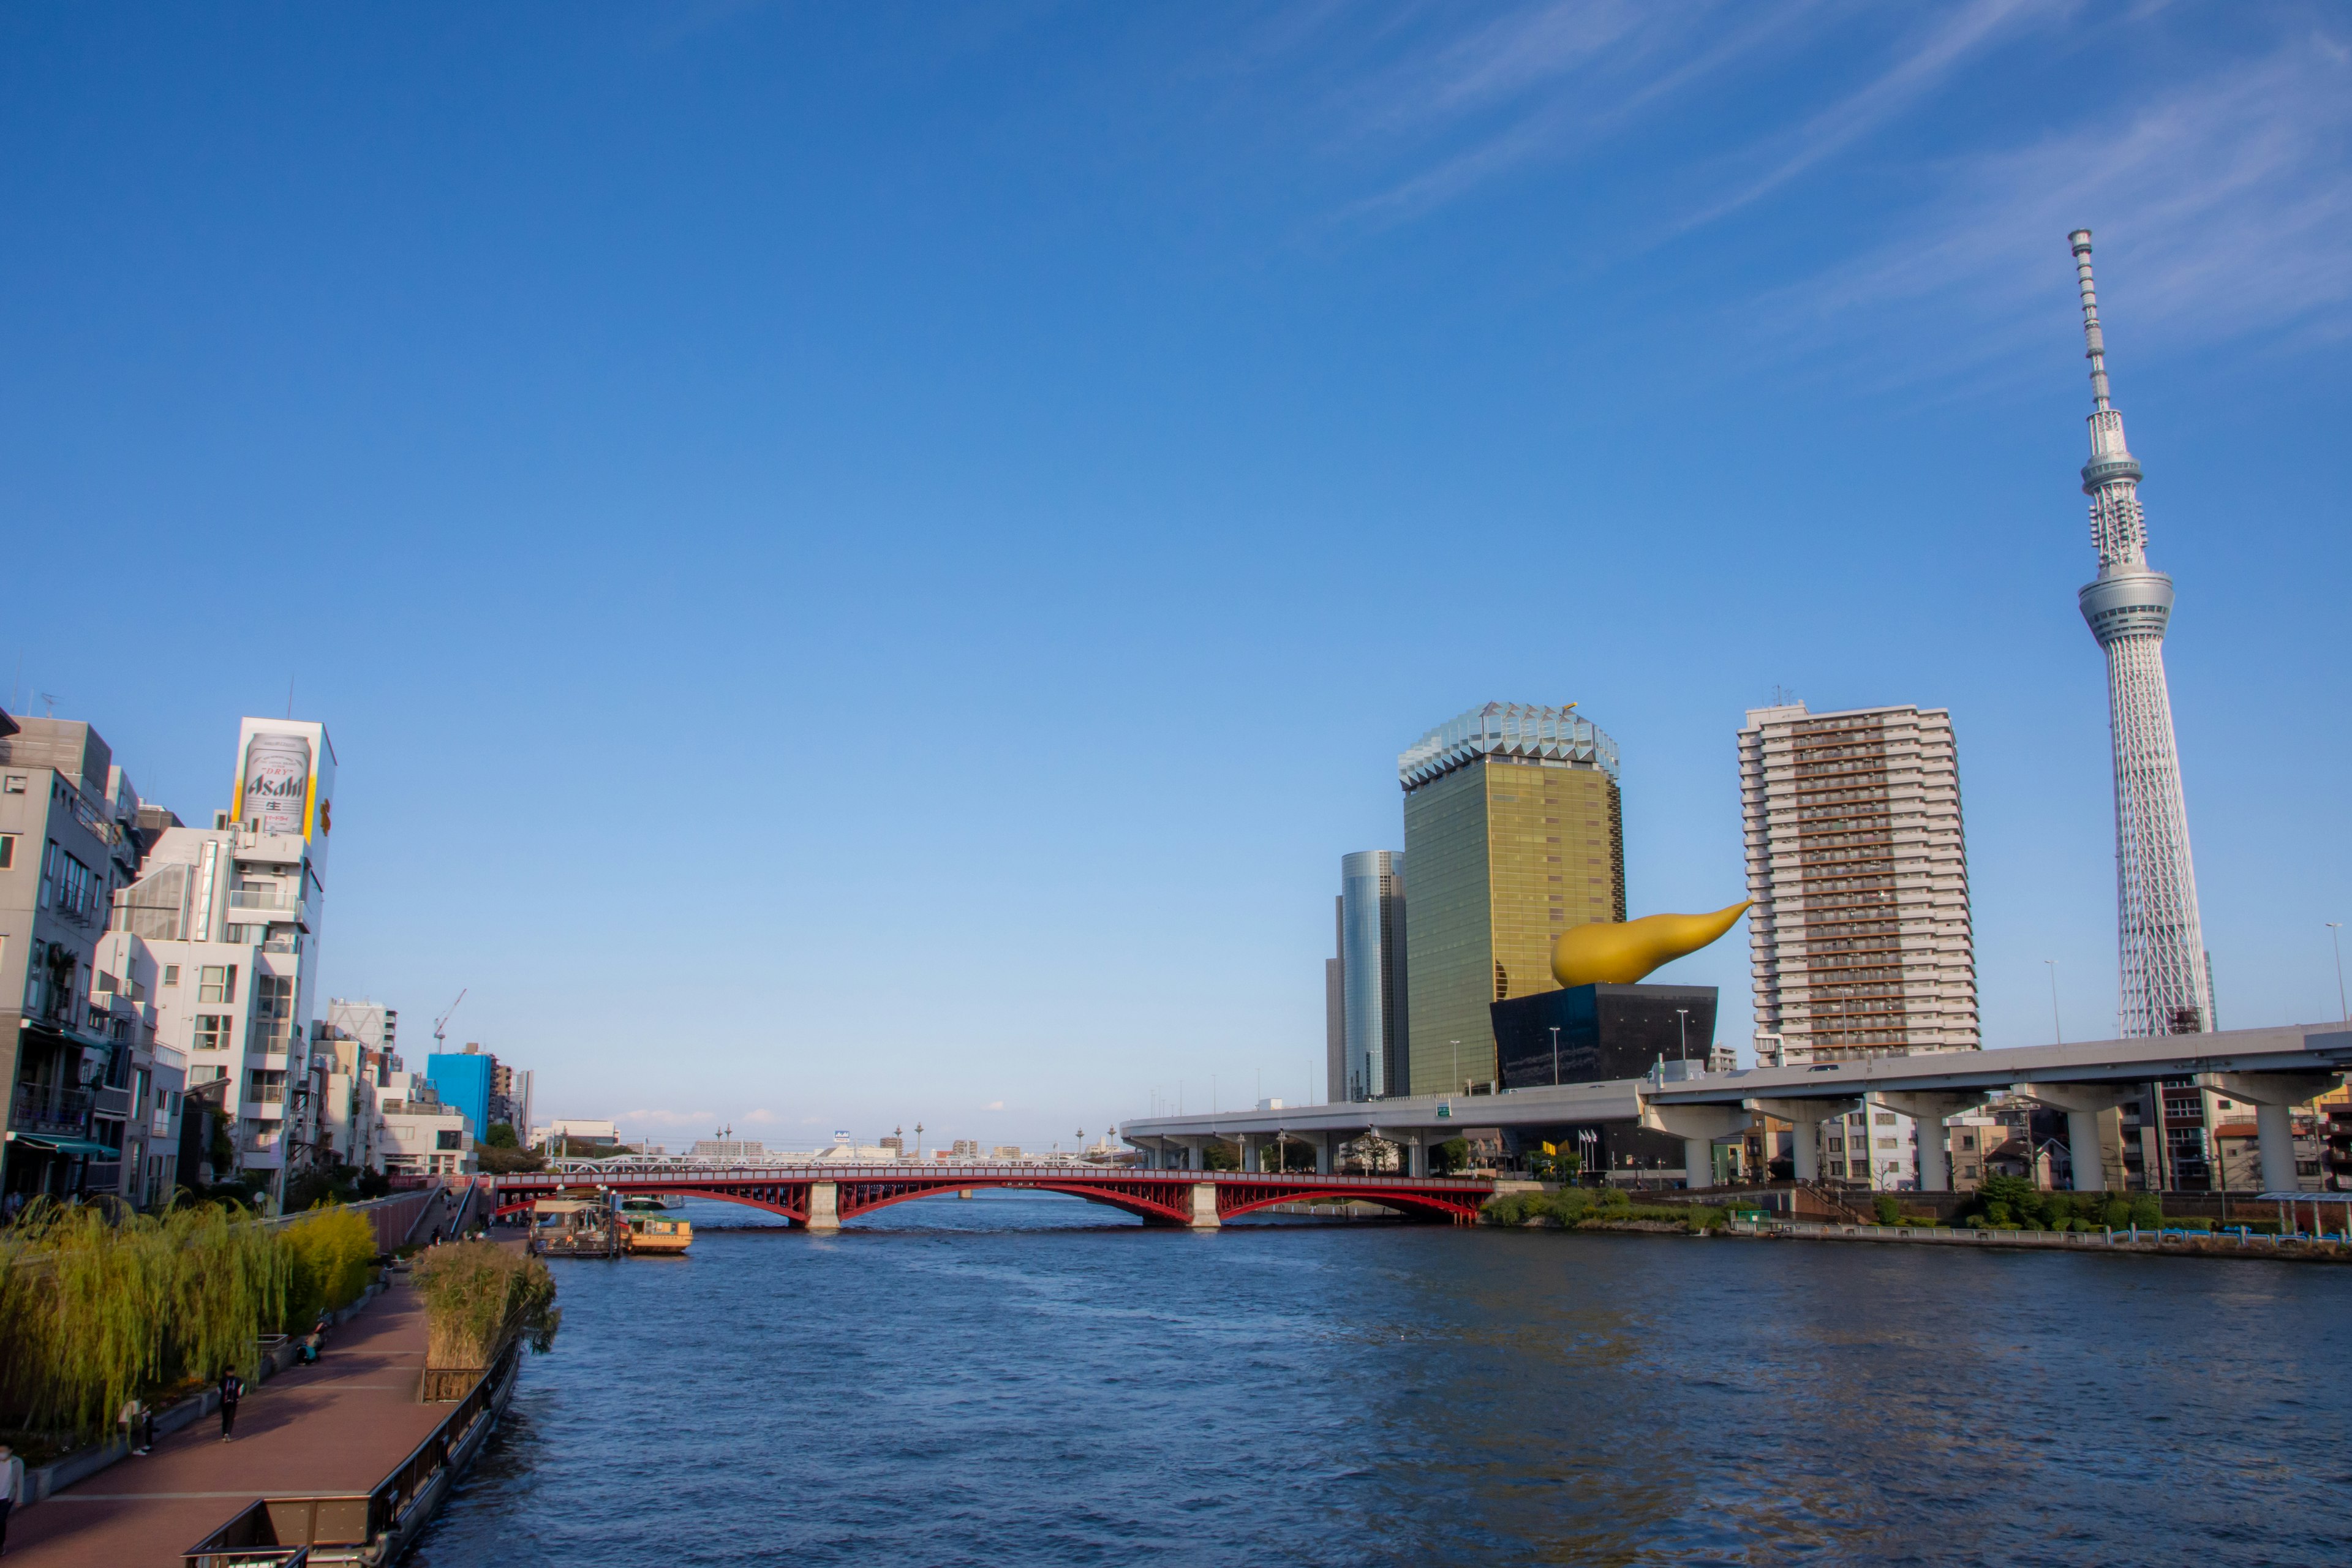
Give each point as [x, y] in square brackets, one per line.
[2272, 1069]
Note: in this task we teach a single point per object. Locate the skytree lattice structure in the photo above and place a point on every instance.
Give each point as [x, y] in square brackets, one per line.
[2166, 988]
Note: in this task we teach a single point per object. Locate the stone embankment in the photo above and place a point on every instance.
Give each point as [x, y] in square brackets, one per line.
[2167, 1243]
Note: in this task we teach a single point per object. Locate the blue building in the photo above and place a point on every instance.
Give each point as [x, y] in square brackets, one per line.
[463, 1082]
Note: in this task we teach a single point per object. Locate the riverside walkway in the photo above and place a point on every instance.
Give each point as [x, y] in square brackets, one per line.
[337, 1426]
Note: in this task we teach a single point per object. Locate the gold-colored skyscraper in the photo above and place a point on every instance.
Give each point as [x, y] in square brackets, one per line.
[1515, 832]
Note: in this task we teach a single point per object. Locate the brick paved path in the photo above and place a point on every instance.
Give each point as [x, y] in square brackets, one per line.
[338, 1427]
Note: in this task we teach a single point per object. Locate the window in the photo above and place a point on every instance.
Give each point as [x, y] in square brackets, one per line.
[211, 1032]
[7, 850]
[215, 982]
[447, 1139]
[16, 784]
[1886, 1118]
[171, 975]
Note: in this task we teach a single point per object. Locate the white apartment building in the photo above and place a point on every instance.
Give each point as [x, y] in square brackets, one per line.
[1860, 940]
[352, 1055]
[421, 1135]
[231, 915]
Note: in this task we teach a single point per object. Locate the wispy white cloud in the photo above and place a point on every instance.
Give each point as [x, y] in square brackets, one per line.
[1919, 69]
[668, 1118]
[993, 1105]
[2221, 207]
[761, 1117]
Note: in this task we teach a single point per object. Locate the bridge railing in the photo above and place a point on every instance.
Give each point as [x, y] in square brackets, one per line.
[569, 1171]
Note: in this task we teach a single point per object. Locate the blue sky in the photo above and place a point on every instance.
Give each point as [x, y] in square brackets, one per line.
[863, 563]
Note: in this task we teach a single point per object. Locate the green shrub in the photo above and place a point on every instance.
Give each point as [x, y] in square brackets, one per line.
[2145, 1212]
[331, 1253]
[1886, 1209]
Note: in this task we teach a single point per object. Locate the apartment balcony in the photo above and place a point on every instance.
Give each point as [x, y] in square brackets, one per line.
[272, 906]
[63, 1113]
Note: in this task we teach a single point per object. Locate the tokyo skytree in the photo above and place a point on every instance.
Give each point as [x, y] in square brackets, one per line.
[2166, 988]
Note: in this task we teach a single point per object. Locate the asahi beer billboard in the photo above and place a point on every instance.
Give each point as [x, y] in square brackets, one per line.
[286, 779]
[277, 783]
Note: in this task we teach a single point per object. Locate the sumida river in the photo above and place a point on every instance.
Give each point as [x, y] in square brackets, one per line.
[1020, 1379]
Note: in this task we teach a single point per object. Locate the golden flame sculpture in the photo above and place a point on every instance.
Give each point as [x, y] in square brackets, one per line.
[1609, 954]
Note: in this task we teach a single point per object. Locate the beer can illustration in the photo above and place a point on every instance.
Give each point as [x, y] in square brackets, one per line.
[277, 780]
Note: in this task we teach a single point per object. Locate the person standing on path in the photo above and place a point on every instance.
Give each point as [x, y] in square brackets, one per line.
[12, 1487]
[232, 1389]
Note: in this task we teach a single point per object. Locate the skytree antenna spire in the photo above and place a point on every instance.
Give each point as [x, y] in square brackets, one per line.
[2166, 988]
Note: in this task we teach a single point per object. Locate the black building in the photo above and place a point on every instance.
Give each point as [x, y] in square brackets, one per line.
[1605, 1032]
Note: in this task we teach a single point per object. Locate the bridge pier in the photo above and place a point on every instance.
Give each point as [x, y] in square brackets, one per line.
[2275, 1096]
[1806, 1116]
[1698, 1126]
[1323, 1142]
[2083, 1103]
[1204, 1207]
[825, 1207]
[1930, 1108]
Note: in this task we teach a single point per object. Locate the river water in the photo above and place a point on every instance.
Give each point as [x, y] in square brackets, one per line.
[1027, 1379]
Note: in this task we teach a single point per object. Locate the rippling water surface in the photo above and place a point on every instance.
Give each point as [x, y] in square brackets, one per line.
[1031, 1380]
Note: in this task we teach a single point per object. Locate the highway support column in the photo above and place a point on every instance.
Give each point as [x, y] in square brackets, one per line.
[2083, 1103]
[1698, 1126]
[1806, 1116]
[1928, 1108]
[2275, 1096]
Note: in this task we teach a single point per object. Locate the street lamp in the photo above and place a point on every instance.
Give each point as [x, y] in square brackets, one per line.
[2057, 1029]
[2335, 937]
[1457, 1062]
[1681, 1031]
[1555, 1056]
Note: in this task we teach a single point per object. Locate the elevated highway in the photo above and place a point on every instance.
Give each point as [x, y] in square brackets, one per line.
[2272, 1069]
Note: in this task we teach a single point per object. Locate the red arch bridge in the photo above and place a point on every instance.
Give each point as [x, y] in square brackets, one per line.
[820, 1198]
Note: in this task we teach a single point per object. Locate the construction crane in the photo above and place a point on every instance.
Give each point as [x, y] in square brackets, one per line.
[441, 1023]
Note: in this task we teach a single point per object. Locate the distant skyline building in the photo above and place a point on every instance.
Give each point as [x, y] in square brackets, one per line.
[1514, 828]
[1372, 974]
[1335, 1009]
[1860, 939]
[2167, 985]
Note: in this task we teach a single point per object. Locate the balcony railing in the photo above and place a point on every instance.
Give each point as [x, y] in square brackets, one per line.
[262, 898]
[34, 1109]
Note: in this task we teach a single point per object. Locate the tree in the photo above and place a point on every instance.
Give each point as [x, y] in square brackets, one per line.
[1450, 1156]
[499, 1136]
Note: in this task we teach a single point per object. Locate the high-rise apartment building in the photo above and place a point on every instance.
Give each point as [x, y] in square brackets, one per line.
[1514, 828]
[1859, 937]
[1372, 969]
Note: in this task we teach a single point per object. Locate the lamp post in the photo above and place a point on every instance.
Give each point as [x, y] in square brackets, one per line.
[1555, 1056]
[1457, 1064]
[2335, 939]
[2057, 1030]
[1681, 1031]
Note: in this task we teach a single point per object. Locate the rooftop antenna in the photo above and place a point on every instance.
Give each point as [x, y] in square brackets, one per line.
[49, 700]
[441, 1023]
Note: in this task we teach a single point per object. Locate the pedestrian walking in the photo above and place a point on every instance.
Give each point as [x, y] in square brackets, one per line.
[11, 1490]
[232, 1389]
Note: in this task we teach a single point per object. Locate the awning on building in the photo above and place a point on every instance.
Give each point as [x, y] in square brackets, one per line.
[63, 1145]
